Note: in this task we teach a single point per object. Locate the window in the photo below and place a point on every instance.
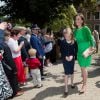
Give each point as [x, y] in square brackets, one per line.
[97, 27]
[88, 15]
[97, 15]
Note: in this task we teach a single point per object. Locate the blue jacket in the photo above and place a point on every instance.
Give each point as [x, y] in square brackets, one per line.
[36, 44]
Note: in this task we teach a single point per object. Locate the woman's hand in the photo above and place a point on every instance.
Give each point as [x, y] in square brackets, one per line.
[22, 43]
[92, 50]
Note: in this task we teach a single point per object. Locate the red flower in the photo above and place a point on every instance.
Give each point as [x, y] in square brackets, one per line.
[1, 57]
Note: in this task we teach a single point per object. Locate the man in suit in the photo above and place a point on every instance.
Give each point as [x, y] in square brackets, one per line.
[36, 44]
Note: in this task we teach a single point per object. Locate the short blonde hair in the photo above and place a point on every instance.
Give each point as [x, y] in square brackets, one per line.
[32, 52]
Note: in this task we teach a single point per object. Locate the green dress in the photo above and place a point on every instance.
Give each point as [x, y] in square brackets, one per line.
[84, 40]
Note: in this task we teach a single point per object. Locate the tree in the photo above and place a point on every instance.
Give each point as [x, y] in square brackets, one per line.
[37, 11]
[64, 19]
[41, 12]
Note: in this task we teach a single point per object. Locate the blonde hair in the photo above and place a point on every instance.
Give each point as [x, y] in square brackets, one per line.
[68, 30]
[32, 52]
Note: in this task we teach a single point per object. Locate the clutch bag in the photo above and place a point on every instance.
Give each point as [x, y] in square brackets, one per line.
[88, 52]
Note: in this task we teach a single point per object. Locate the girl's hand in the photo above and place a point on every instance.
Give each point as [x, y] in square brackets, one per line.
[67, 58]
[70, 57]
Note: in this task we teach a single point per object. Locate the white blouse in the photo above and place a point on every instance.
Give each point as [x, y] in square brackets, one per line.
[13, 45]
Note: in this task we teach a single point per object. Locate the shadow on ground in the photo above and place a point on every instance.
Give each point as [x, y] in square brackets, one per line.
[53, 91]
[96, 71]
[56, 78]
[98, 84]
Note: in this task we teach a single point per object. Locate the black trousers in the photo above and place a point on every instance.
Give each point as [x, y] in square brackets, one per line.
[41, 67]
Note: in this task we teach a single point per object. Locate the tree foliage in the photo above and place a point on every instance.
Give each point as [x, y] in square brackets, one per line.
[55, 12]
[37, 11]
[64, 19]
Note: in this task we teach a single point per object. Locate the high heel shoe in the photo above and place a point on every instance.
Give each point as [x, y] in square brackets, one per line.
[65, 94]
[72, 86]
[82, 91]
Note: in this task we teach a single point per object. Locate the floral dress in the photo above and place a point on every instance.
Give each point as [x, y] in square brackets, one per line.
[5, 89]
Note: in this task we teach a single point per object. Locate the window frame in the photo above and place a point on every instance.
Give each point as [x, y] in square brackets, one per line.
[98, 25]
[99, 16]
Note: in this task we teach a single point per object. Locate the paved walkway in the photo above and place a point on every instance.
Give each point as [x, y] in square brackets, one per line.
[54, 86]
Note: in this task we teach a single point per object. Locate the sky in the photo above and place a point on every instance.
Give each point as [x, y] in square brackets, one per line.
[1, 3]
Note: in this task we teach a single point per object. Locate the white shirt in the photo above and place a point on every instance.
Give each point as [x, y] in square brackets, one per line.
[13, 45]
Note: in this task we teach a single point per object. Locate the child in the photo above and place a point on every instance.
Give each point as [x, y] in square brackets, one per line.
[68, 52]
[34, 65]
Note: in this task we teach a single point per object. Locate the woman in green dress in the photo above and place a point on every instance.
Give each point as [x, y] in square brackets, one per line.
[84, 40]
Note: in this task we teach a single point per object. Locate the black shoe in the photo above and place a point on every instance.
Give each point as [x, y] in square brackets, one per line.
[45, 74]
[65, 94]
[42, 78]
[81, 92]
[35, 86]
[40, 86]
[73, 86]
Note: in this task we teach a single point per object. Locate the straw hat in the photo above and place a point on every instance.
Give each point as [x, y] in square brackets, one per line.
[20, 28]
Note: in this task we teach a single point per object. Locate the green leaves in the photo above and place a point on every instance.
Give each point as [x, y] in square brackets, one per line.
[64, 18]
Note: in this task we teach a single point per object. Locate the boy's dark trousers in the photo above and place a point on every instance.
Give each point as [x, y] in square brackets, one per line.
[41, 68]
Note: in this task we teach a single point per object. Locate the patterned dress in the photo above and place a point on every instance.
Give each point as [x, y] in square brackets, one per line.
[5, 89]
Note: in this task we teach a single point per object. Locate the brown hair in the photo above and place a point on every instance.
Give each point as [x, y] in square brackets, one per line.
[14, 32]
[7, 33]
[82, 17]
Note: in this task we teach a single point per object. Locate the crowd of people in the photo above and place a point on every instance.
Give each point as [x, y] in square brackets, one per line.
[23, 54]
[25, 51]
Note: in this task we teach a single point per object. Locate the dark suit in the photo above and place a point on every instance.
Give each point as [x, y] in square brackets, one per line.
[36, 44]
